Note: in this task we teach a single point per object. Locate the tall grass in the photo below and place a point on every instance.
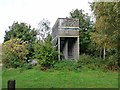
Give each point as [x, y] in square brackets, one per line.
[91, 62]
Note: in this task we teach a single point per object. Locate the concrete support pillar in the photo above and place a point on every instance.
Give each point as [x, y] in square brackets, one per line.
[76, 49]
[58, 48]
[65, 50]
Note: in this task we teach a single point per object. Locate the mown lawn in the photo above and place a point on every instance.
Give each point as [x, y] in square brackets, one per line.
[33, 78]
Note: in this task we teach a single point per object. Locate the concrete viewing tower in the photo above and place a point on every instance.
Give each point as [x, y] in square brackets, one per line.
[65, 37]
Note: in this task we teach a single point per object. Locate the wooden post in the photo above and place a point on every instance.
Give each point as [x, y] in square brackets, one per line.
[11, 84]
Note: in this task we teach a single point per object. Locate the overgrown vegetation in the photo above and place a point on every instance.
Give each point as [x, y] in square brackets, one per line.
[86, 26]
[68, 65]
[95, 63]
[14, 53]
[88, 62]
[98, 41]
[45, 54]
[24, 32]
[99, 52]
[21, 44]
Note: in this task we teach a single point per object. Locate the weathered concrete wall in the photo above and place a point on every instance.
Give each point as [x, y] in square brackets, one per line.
[65, 50]
[68, 33]
[65, 35]
[63, 24]
[68, 22]
[59, 48]
[76, 49]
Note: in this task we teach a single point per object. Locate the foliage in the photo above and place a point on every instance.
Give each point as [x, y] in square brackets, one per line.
[45, 53]
[21, 31]
[69, 65]
[86, 26]
[106, 25]
[111, 63]
[24, 32]
[14, 53]
[93, 63]
[26, 66]
[88, 62]
[85, 59]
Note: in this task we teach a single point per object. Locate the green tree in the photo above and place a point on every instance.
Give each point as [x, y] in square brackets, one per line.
[106, 25]
[85, 25]
[14, 53]
[24, 32]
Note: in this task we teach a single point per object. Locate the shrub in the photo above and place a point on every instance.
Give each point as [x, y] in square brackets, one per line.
[111, 63]
[14, 53]
[85, 59]
[89, 62]
[45, 54]
[93, 63]
[69, 65]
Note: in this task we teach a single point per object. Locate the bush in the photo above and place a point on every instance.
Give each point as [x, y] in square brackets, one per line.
[111, 63]
[14, 53]
[93, 63]
[69, 65]
[45, 54]
[85, 59]
[88, 61]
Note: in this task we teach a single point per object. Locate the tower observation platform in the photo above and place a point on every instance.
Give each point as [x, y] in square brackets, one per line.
[65, 37]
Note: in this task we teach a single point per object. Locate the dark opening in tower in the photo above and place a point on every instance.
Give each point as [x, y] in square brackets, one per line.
[68, 45]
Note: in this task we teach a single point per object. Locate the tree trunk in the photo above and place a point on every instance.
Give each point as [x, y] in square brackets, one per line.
[100, 53]
[118, 50]
[104, 53]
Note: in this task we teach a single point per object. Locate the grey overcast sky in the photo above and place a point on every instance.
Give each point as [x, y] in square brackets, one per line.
[33, 11]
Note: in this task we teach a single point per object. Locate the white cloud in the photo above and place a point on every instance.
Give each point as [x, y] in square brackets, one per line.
[33, 11]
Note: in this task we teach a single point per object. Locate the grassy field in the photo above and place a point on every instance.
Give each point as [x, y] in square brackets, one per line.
[60, 79]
